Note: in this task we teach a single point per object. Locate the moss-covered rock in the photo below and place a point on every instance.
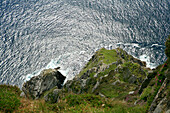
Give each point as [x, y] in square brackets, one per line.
[110, 74]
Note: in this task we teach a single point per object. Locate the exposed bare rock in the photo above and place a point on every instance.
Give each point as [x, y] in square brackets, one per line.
[53, 96]
[47, 79]
[161, 102]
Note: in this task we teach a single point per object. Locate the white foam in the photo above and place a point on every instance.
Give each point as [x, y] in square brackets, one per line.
[132, 44]
[82, 52]
[157, 45]
[128, 44]
[54, 63]
[146, 58]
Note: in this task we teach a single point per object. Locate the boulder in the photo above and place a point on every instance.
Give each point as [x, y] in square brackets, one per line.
[45, 81]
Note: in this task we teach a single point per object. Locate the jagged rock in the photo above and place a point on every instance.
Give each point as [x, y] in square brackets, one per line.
[53, 96]
[161, 106]
[87, 73]
[106, 75]
[76, 85]
[47, 79]
[140, 79]
[167, 74]
[161, 101]
[83, 82]
[117, 68]
[57, 68]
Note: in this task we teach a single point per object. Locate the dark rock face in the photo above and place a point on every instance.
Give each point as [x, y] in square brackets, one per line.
[47, 79]
[146, 82]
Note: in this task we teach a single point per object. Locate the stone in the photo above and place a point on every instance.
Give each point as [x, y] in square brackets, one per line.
[45, 81]
[53, 96]
[161, 103]
[162, 106]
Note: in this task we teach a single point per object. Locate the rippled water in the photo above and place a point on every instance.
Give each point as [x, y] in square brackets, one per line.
[37, 34]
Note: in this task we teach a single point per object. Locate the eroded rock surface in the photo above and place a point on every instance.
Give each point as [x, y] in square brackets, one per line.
[47, 79]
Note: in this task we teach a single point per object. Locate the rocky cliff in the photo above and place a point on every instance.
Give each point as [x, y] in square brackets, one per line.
[110, 78]
[47, 80]
[115, 75]
[111, 73]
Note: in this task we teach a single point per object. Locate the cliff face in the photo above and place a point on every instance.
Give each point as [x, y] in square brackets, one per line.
[113, 74]
[110, 74]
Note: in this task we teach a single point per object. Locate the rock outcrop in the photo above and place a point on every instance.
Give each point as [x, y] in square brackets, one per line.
[108, 70]
[52, 96]
[111, 79]
[110, 74]
[47, 79]
[123, 77]
[161, 101]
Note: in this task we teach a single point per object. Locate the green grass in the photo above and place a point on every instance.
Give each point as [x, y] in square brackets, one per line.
[146, 93]
[9, 98]
[135, 69]
[106, 71]
[118, 91]
[89, 103]
[108, 56]
[94, 100]
[101, 56]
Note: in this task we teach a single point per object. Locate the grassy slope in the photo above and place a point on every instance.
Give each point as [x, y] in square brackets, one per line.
[72, 103]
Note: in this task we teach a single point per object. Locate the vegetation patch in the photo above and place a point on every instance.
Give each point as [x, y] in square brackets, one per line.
[146, 93]
[100, 57]
[9, 98]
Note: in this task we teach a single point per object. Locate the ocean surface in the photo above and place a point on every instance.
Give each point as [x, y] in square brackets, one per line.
[41, 34]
